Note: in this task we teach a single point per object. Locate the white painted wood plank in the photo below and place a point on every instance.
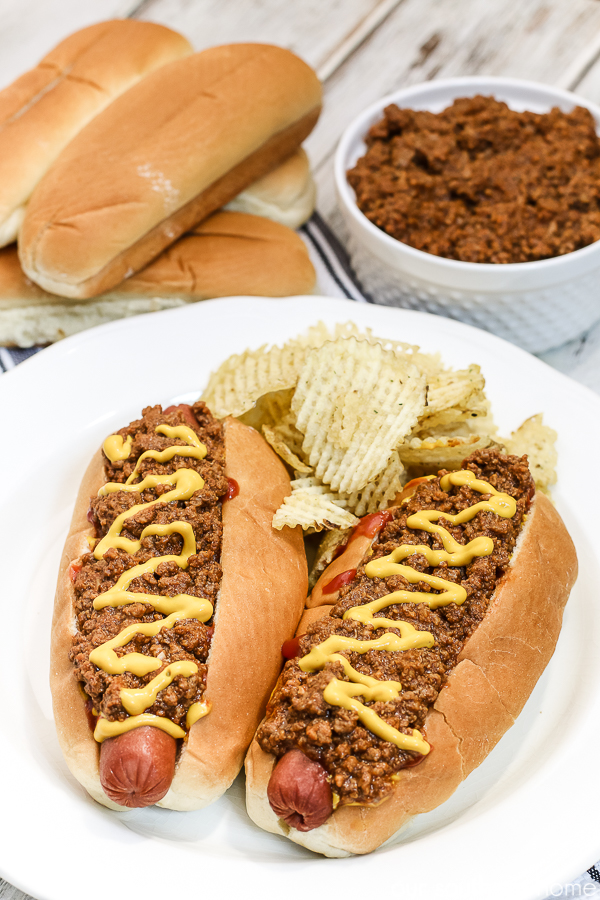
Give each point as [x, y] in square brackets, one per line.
[30, 28]
[356, 37]
[586, 82]
[313, 29]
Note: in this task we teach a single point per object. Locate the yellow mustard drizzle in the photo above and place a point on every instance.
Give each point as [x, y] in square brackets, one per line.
[137, 701]
[344, 693]
[197, 711]
[116, 448]
[195, 448]
[185, 483]
[105, 729]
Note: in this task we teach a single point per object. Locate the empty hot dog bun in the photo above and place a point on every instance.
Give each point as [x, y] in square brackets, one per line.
[228, 254]
[174, 149]
[258, 604]
[495, 672]
[286, 195]
[44, 109]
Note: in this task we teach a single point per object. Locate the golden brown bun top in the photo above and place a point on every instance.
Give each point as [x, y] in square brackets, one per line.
[229, 253]
[157, 147]
[44, 108]
[103, 54]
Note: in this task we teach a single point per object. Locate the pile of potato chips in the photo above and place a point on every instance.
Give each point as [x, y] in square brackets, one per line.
[355, 417]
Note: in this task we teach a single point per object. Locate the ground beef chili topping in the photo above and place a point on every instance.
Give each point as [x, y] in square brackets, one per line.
[360, 765]
[481, 182]
[189, 639]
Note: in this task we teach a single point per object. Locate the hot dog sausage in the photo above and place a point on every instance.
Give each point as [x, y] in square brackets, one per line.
[137, 768]
[299, 792]
[187, 411]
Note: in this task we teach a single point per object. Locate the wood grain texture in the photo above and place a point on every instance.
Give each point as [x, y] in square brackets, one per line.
[583, 76]
[30, 28]
[312, 29]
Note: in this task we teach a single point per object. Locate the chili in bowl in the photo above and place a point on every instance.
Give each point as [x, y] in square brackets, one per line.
[478, 199]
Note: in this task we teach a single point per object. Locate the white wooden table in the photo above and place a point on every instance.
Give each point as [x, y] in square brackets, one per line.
[362, 50]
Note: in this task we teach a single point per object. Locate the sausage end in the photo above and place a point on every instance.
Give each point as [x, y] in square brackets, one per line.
[137, 767]
[299, 792]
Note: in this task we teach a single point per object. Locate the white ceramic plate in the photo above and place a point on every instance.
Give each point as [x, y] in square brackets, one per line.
[526, 820]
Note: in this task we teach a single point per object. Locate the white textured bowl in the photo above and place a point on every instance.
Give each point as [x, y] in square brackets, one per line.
[537, 305]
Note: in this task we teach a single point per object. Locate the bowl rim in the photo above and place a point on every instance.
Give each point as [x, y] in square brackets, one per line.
[359, 126]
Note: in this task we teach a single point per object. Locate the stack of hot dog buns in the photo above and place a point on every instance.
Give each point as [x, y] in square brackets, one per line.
[130, 163]
[162, 157]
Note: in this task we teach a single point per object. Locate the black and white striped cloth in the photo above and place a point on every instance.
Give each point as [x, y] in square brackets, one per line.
[336, 278]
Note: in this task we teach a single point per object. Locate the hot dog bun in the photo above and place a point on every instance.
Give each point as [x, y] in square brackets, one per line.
[226, 255]
[46, 107]
[174, 149]
[497, 669]
[261, 599]
[286, 195]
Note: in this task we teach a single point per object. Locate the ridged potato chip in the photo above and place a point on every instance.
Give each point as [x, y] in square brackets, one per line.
[379, 494]
[450, 388]
[242, 379]
[329, 545]
[276, 438]
[314, 507]
[538, 442]
[375, 496]
[454, 396]
[351, 413]
[354, 403]
[319, 334]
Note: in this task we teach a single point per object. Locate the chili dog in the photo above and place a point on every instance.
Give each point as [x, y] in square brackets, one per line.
[173, 599]
[421, 644]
